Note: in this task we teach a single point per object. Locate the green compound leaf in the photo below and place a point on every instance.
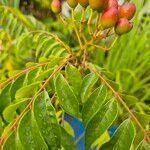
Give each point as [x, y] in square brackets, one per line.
[74, 77]
[122, 138]
[129, 99]
[100, 122]
[87, 85]
[12, 142]
[93, 104]
[67, 140]
[27, 91]
[17, 85]
[10, 111]
[143, 146]
[37, 129]
[45, 117]
[144, 119]
[5, 98]
[29, 133]
[67, 98]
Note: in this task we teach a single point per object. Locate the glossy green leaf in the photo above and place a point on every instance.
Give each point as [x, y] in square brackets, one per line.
[68, 128]
[113, 84]
[31, 64]
[67, 140]
[32, 75]
[144, 119]
[100, 122]
[5, 98]
[105, 137]
[52, 60]
[143, 146]
[10, 111]
[67, 98]
[93, 104]
[108, 74]
[1, 126]
[12, 142]
[29, 133]
[102, 71]
[122, 138]
[87, 85]
[46, 119]
[27, 91]
[44, 75]
[74, 78]
[17, 85]
[130, 100]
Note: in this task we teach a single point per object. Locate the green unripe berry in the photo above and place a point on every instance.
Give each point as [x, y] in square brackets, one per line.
[127, 10]
[72, 3]
[83, 3]
[123, 26]
[109, 17]
[56, 6]
[98, 5]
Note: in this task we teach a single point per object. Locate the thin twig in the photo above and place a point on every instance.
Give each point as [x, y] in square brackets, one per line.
[97, 25]
[84, 58]
[76, 30]
[89, 22]
[82, 19]
[62, 19]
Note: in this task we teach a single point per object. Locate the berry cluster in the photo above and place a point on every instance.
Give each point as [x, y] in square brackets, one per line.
[112, 14]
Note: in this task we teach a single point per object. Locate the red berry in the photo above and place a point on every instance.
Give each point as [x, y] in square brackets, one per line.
[112, 3]
[98, 5]
[56, 6]
[83, 3]
[72, 3]
[123, 26]
[127, 10]
[109, 18]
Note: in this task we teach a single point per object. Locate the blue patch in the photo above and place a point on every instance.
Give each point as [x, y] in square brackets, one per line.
[79, 129]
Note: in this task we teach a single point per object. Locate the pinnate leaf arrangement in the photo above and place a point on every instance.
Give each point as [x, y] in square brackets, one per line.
[63, 80]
